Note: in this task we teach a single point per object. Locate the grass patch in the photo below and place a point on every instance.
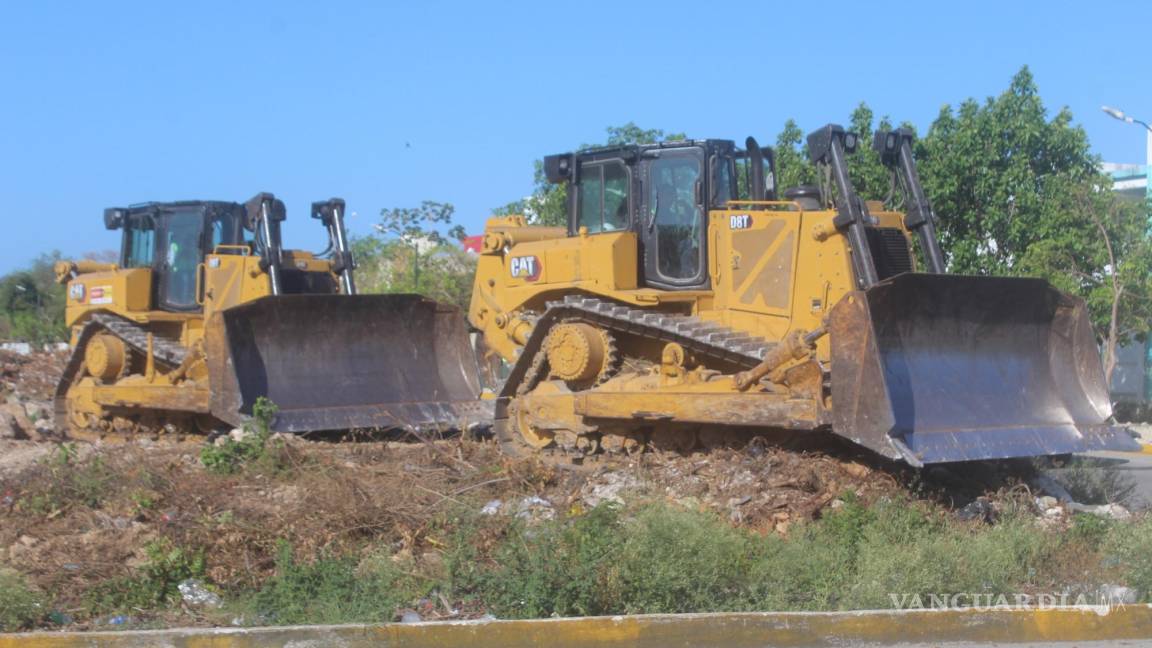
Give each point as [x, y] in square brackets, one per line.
[334, 590]
[256, 448]
[21, 607]
[523, 571]
[660, 558]
[1128, 548]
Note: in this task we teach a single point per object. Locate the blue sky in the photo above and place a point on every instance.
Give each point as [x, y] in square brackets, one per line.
[110, 103]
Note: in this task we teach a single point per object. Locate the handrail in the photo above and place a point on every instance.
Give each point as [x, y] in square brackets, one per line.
[244, 250]
[200, 270]
[766, 203]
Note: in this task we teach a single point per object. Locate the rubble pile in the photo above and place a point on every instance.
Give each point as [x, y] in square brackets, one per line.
[27, 384]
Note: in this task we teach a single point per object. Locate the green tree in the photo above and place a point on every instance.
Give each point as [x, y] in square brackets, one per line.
[1104, 256]
[415, 228]
[547, 203]
[410, 254]
[792, 167]
[870, 177]
[630, 133]
[1001, 175]
[32, 303]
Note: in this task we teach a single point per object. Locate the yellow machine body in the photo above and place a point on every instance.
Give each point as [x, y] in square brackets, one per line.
[810, 315]
[782, 272]
[147, 363]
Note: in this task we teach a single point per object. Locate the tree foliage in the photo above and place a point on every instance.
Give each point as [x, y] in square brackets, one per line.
[410, 254]
[870, 178]
[630, 133]
[1002, 177]
[792, 167]
[1105, 257]
[32, 303]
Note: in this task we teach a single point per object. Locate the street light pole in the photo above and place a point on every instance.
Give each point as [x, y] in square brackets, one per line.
[1116, 113]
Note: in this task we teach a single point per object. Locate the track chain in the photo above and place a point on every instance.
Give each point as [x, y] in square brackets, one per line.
[699, 337]
[166, 350]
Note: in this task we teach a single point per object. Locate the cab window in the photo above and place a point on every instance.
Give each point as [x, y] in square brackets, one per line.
[744, 185]
[677, 218]
[217, 233]
[722, 179]
[602, 197]
[182, 255]
[140, 242]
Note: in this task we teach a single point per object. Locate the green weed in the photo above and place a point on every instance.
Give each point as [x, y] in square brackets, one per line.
[335, 590]
[1128, 548]
[155, 586]
[21, 607]
[256, 448]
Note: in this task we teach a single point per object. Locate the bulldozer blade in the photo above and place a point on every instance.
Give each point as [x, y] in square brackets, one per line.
[340, 362]
[933, 368]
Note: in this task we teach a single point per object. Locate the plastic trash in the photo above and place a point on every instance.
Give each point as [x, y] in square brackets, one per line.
[535, 508]
[195, 593]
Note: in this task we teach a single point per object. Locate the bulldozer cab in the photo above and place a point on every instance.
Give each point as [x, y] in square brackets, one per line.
[172, 240]
[663, 193]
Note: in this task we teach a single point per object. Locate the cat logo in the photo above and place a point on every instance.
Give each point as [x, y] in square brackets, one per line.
[526, 267]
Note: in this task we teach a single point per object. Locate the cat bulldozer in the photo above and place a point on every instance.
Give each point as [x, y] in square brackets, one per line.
[686, 302]
[205, 313]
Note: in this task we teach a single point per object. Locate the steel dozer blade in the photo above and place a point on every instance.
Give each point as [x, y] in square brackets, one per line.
[934, 368]
[338, 362]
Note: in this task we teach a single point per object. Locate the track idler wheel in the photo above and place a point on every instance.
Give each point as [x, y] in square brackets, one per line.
[579, 354]
[106, 357]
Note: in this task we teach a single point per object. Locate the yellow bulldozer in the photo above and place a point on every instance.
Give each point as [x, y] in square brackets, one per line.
[205, 313]
[686, 302]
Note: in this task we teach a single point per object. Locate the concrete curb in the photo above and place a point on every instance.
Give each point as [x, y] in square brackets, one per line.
[656, 631]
